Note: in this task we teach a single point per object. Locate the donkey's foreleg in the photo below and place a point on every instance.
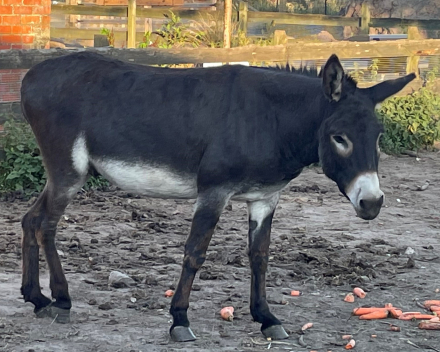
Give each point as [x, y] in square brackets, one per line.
[260, 221]
[208, 209]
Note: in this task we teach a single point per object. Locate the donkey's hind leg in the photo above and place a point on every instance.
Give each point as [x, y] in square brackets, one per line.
[39, 228]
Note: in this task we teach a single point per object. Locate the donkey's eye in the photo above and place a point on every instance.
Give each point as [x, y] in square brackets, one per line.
[339, 140]
[343, 145]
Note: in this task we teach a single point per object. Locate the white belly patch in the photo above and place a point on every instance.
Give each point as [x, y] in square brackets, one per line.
[147, 180]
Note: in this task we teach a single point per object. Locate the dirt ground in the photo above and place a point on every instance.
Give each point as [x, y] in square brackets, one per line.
[318, 246]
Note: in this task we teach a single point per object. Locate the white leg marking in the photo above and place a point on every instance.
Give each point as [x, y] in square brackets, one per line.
[365, 186]
[261, 209]
[80, 155]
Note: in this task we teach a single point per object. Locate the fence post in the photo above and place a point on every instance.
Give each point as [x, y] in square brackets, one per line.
[279, 37]
[227, 28]
[243, 17]
[412, 63]
[365, 18]
[131, 24]
[282, 6]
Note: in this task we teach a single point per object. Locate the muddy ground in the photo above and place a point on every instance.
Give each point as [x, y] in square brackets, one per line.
[318, 246]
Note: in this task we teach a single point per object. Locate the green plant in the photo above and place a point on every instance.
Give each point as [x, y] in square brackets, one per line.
[110, 36]
[357, 73]
[411, 122]
[21, 167]
[175, 33]
[374, 69]
[146, 40]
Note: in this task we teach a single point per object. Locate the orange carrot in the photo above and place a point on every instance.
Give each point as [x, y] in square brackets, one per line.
[350, 345]
[434, 319]
[416, 316]
[379, 314]
[169, 293]
[359, 292]
[429, 325]
[295, 293]
[349, 298]
[394, 328]
[306, 326]
[431, 302]
[395, 313]
[367, 310]
[227, 313]
[373, 336]
[347, 337]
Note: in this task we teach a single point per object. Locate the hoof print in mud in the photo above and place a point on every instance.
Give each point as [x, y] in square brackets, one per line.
[182, 334]
[61, 316]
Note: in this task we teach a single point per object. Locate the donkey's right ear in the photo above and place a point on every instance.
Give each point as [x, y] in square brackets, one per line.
[332, 76]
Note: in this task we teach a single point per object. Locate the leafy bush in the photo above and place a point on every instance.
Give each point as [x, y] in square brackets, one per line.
[21, 167]
[411, 122]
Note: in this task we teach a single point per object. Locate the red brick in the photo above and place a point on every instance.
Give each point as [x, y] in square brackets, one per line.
[12, 2]
[32, 2]
[27, 39]
[5, 47]
[21, 29]
[17, 46]
[10, 77]
[10, 97]
[10, 38]
[23, 10]
[5, 29]
[30, 19]
[6, 10]
[41, 10]
[11, 20]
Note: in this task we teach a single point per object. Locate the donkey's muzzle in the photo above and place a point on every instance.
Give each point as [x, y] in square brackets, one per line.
[369, 208]
[366, 196]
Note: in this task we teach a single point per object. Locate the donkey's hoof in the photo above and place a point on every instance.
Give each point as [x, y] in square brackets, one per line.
[182, 334]
[61, 316]
[275, 332]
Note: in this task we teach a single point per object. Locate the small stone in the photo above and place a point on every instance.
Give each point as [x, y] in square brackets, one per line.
[92, 302]
[409, 251]
[94, 240]
[60, 253]
[119, 280]
[105, 306]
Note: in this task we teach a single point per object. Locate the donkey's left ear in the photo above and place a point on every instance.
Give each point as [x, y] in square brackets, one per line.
[332, 76]
[384, 90]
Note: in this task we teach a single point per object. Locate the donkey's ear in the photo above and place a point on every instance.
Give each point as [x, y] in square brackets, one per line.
[384, 90]
[332, 76]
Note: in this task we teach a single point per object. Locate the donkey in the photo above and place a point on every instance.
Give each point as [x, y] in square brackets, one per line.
[210, 134]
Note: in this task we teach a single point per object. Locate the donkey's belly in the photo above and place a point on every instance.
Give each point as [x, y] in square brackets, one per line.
[147, 180]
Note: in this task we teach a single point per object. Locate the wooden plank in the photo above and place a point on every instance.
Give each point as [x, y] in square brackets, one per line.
[73, 34]
[365, 18]
[22, 59]
[398, 22]
[131, 24]
[291, 18]
[242, 17]
[121, 11]
[227, 24]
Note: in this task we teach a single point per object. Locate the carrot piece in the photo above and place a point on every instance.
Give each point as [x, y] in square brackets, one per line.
[169, 293]
[416, 316]
[389, 305]
[359, 292]
[306, 326]
[394, 328]
[349, 298]
[373, 336]
[347, 337]
[429, 325]
[227, 313]
[379, 314]
[367, 310]
[350, 345]
[434, 308]
[432, 302]
[295, 293]
[434, 319]
[395, 313]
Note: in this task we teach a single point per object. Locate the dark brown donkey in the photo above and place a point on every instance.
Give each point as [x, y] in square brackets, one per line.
[218, 134]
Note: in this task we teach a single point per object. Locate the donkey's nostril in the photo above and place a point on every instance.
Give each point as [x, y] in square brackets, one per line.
[368, 204]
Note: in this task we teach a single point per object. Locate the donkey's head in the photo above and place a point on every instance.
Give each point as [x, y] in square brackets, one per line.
[349, 137]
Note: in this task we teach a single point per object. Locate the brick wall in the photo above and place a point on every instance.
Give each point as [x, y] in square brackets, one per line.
[24, 24]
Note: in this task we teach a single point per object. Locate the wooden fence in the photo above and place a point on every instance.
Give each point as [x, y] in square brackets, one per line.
[243, 15]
